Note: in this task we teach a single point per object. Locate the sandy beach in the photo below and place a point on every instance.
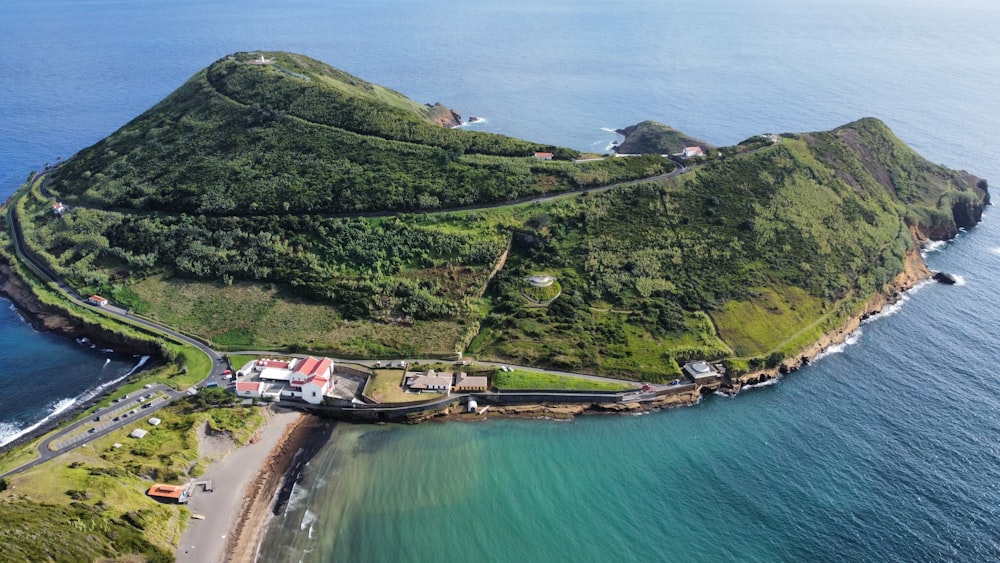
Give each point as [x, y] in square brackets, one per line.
[244, 481]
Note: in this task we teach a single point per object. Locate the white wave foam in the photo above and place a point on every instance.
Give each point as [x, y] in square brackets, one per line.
[10, 305]
[9, 433]
[108, 350]
[768, 383]
[307, 519]
[298, 496]
[106, 362]
[851, 339]
[932, 246]
[82, 341]
[959, 280]
[995, 251]
[100, 388]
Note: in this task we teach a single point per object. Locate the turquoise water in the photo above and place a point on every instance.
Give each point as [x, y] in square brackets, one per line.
[887, 450]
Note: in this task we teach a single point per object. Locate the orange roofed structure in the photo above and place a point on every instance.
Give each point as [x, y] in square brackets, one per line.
[176, 493]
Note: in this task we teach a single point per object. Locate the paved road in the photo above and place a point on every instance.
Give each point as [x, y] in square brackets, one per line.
[46, 451]
[45, 448]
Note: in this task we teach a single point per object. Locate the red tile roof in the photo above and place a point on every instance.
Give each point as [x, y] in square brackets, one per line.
[281, 364]
[247, 385]
[166, 491]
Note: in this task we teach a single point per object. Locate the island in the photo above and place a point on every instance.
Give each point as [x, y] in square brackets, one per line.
[388, 266]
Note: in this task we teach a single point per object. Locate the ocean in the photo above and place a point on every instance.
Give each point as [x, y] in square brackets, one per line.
[886, 449]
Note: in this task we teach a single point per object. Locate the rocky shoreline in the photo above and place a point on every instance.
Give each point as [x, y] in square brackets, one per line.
[263, 497]
[53, 319]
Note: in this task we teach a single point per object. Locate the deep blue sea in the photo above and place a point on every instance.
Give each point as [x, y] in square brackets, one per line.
[887, 449]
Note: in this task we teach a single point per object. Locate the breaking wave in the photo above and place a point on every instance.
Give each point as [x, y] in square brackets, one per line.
[851, 340]
[9, 432]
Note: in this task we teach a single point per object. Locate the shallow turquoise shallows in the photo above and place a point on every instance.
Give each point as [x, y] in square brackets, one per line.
[886, 450]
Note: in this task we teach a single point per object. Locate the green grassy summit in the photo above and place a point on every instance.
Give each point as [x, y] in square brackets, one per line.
[290, 205]
[296, 135]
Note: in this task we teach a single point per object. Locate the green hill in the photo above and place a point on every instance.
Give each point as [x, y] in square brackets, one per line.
[222, 211]
[653, 137]
[297, 135]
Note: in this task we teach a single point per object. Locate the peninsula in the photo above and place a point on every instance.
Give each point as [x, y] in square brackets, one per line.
[276, 204]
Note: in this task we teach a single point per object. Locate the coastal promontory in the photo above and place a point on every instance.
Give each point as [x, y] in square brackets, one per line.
[275, 202]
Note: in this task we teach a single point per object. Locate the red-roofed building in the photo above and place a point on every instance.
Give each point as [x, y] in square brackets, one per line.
[543, 155]
[312, 378]
[277, 364]
[689, 152]
[248, 388]
[176, 493]
[58, 208]
[97, 300]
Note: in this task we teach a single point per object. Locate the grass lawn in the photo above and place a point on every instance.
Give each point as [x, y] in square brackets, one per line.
[259, 316]
[385, 387]
[522, 379]
[764, 323]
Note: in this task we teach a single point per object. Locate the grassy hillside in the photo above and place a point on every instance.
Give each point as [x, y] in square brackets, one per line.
[299, 136]
[653, 137]
[91, 504]
[219, 211]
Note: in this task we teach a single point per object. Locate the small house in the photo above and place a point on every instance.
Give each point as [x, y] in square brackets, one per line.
[175, 493]
[430, 381]
[690, 152]
[155, 421]
[97, 300]
[543, 155]
[248, 389]
[466, 383]
[58, 208]
[138, 433]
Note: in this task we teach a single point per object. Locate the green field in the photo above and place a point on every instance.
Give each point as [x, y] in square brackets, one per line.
[527, 380]
[385, 386]
[97, 488]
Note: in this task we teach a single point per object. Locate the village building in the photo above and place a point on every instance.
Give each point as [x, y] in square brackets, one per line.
[58, 208]
[701, 372]
[430, 381]
[690, 152]
[465, 383]
[543, 155]
[97, 300]
[175, 493]
[248, 389]
[155, 421]
[306, 378]
[138, 433]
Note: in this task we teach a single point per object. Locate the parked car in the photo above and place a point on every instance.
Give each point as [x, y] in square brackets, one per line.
[147, 386]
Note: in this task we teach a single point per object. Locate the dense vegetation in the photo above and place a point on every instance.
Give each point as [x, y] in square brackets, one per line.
[220, 211]
[653, 137]
[751, 258]
[299, 136]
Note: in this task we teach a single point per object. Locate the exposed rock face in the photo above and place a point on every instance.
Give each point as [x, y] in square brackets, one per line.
[945, 278]
[914, 270]
[443, 116]
[44, 317]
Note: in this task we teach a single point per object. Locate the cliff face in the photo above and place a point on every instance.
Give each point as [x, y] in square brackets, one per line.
[443, 116]
[47, 318]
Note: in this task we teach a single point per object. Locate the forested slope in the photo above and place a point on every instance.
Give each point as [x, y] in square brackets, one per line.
[220, 210]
